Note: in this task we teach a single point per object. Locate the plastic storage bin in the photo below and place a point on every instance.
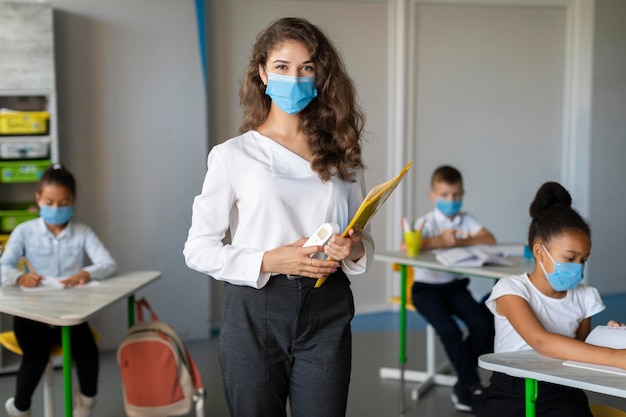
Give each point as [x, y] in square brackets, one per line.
[3, 241]
[24, 123]
[25, 149]
[22, 171]
[12, 214]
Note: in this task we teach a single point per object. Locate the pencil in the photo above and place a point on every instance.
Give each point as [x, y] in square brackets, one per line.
[28, 264]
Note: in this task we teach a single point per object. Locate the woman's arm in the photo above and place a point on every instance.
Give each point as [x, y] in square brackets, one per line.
[523, 319]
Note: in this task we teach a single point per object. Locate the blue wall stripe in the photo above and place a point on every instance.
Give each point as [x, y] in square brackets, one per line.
[201, 19]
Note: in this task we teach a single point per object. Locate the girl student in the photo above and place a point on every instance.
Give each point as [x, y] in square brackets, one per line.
[296, 165]
[55, 246]
[548, 310]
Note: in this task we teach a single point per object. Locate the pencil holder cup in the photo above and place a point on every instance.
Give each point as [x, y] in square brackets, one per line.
[413, 239]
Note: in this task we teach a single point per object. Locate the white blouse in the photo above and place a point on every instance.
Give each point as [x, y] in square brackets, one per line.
[268, 197]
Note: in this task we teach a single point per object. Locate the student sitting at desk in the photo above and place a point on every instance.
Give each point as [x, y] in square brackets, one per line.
[440, 296]
[548, 310]
[54, 246]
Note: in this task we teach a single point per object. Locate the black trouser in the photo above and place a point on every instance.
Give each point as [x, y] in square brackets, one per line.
[440, 304]
[287, 340]
[36, 339]
[505, 397]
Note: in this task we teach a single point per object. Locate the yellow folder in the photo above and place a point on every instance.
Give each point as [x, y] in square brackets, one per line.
[372, 202]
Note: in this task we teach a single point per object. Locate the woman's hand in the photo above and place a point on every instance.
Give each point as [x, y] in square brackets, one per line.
[350, 247]
[293, 259]
[29, 280]
[613, 323]
[81, 278]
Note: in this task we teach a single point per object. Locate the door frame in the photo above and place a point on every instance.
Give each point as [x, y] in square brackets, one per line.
[576, 114]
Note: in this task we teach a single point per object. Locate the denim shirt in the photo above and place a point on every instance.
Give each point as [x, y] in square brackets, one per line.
[58, 256]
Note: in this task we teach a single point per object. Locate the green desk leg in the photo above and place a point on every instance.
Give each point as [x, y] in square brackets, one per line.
[531, 397]
[131, 310]
[67, 357]
[402, 358]
[67, 369]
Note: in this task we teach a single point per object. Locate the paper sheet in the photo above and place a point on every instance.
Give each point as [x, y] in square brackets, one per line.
[54, 283]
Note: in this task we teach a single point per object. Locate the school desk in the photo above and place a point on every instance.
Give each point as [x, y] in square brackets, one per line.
[427, 260]
[70, 307]
[534, 367]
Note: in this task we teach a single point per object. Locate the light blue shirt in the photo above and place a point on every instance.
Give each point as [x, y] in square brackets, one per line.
[58, 256]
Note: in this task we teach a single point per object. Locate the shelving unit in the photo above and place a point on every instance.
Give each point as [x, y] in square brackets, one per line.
[27, 84]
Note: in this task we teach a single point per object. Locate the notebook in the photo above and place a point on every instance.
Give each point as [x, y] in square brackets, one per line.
[613, 337]
[471, 256]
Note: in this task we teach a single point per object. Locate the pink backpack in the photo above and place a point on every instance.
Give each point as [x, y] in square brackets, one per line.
[159, 377]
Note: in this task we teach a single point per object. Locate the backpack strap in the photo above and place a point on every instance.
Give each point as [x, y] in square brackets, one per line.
[140, 305]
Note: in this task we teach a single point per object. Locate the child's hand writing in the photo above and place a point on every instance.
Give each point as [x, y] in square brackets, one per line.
[31, 279]
[79, 279]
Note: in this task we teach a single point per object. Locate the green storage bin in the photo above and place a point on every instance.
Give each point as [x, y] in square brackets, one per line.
[12, 214]
[22, 171]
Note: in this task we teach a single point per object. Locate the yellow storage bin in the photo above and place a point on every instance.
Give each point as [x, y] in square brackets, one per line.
[3, 241]
[22, 171]
[12, 214]
[24, 123]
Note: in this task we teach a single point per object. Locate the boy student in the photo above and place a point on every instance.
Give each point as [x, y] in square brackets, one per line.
[441, 296]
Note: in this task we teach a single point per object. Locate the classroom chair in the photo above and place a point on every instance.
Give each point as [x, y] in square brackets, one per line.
[9, 341]
[605, 411]
[409, 286]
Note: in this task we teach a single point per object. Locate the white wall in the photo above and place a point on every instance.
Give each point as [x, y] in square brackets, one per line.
[608, 169]
[237, 21]
[359, 31]
[133, 130]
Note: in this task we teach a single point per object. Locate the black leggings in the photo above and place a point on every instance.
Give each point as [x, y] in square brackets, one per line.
[36, 339]
[505, 397]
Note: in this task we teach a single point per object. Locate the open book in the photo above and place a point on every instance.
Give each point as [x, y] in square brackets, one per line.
[471, 256]
[613, 337]
[372, 202]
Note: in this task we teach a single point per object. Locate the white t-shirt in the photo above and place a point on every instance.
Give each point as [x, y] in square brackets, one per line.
[435, 221]
[557, 315]
[267, 196]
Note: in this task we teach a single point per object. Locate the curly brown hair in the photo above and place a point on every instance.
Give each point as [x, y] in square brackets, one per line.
[333, 121]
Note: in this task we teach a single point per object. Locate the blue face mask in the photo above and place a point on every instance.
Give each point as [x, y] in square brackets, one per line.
[291, 94]
[56, 216]
[566, 275]
[449, 208]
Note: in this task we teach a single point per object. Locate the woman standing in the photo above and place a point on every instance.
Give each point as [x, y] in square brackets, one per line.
[296, 165]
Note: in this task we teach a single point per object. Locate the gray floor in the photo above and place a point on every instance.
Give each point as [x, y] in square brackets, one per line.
[369, 395]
